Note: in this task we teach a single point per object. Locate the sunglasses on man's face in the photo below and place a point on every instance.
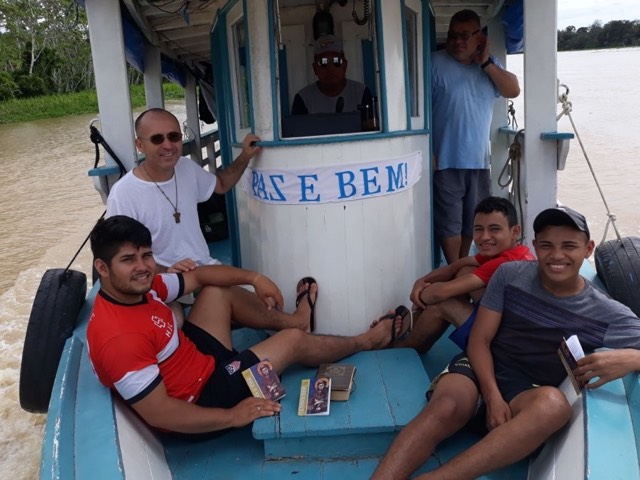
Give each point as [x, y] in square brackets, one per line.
[326, 61]
[158, 138]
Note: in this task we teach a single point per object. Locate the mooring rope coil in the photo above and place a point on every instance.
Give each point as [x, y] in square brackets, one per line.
[510, 173]
[566, 110]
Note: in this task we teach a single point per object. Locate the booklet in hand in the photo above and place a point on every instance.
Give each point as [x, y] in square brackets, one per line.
[315, 396]
[570, 352]
[263, 381]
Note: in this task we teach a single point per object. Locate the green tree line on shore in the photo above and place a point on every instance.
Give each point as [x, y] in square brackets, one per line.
[613, 34]
[45, 50]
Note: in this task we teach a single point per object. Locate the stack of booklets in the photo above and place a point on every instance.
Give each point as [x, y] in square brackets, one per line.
[341, 376]
[315, 396]
[570, 352]
[263, 381]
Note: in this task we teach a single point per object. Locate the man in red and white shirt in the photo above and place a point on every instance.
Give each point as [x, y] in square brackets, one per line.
[444, 295]
[189, 380]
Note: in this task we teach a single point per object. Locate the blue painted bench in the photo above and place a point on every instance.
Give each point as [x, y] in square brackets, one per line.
[382, 403]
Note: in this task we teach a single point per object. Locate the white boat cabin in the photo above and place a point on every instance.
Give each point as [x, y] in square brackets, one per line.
[350, 207]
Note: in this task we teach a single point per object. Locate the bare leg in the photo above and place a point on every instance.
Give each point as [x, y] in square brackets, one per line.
[433, 322]
[537, 414]
[465, 246]
[452, 405]
[249, 311]
[212, 313]
[295, 346]
[451, 247]
[245, 309]
[214, 309]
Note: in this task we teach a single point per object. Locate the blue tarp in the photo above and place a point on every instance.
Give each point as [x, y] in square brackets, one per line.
[513, 21]
[134, 50]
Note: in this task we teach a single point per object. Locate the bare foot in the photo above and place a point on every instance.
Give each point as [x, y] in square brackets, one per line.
[380, 332]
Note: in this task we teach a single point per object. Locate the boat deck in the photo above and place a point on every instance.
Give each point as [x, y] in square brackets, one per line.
[347, 444]
[390, 391]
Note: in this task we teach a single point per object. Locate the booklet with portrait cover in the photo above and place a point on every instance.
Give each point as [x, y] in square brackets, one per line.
[341, 376]
[570, 352]
[315, 396]
[263, 381]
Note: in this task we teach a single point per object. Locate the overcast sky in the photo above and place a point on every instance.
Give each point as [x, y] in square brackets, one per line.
[582, 13]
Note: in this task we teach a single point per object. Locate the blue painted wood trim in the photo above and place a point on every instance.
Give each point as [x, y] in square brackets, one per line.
[384, 109]
[104, 171]
[274, 83]
[428, 44]
[73, 432]
[57, 458]
[429, 36]
[226, 121]
[556, 136]
[405, 56]
[247, 60]
[329, 447]
[507, 130]
[340, 139]
[610, 439]
[284, 81]
[632, 388]
[368, 65]
[95, 433]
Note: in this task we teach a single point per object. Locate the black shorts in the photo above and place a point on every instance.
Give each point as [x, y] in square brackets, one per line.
[510, 382]
[226, 386]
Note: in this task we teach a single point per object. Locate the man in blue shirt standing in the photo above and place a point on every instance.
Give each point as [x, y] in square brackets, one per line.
[465, 82]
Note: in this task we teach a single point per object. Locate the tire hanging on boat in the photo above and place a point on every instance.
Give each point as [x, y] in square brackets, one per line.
[53, 318]
[618, 266]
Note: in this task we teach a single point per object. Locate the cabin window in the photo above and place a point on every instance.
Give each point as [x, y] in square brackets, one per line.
[238, 58]
[412, 60]
[354, 110]
[414, 51]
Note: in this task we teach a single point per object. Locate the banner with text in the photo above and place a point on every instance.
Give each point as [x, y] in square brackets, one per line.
[337, 183]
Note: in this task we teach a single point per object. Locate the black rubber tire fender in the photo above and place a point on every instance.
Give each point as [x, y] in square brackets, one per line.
[618, 266]
[54, 315]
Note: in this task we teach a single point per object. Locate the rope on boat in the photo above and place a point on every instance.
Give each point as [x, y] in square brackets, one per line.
[97, 139]
[511, 170]
[82, 246]
[566, 110]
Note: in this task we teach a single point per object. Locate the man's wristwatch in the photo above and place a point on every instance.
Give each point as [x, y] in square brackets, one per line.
[487, 63]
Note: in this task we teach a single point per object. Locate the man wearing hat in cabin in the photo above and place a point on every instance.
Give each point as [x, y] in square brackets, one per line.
[332, 92]
[509, 378]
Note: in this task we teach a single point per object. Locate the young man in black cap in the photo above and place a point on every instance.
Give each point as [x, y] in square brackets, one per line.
[512, 369]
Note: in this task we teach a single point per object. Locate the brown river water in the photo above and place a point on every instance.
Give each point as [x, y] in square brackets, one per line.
[48, 205]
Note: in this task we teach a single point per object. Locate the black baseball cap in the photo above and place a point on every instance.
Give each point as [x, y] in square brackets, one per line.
[559, 216]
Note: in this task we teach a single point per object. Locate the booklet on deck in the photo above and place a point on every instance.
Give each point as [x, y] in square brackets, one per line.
[315, 396]
[263, 381]
[341, 376]
[570, 352]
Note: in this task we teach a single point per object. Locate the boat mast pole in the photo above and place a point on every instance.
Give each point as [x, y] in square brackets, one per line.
[540, 97]
[110, 68]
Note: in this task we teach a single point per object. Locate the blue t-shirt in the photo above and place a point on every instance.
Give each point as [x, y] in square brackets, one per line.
[534, 321]
[462, 101]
